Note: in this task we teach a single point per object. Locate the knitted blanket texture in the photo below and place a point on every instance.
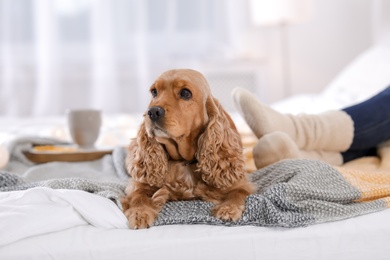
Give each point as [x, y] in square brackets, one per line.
[290, 193]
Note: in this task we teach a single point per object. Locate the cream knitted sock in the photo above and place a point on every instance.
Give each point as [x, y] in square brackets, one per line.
[330, 131]
[277, 146]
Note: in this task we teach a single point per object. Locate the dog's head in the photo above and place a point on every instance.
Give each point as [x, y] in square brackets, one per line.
[177, 112]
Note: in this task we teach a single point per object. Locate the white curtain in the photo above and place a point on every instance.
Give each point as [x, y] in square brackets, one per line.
[48, 91]
[61, 54]
[104, 78]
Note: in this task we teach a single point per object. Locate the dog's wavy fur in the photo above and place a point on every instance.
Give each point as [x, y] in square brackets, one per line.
[193, 152]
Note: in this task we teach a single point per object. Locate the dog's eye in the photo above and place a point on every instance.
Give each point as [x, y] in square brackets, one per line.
[185, 94]
[154, 92]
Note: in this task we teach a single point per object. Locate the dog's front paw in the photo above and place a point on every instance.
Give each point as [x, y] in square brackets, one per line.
[140, 217]
[228, 212]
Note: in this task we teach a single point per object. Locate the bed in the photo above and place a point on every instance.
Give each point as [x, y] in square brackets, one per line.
[76, 215]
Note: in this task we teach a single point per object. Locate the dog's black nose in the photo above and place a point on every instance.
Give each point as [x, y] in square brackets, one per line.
[155, 113]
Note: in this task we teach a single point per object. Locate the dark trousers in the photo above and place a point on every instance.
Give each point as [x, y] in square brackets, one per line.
[372, 125]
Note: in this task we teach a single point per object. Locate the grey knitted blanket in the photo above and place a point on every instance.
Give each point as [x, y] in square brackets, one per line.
[291, 193]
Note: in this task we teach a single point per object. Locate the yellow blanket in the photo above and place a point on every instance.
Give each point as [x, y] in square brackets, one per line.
[371, 175]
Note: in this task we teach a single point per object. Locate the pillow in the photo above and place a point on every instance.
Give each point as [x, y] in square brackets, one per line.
[365, 76]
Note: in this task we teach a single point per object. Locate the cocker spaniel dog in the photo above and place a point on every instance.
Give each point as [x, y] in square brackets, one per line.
[187, 148]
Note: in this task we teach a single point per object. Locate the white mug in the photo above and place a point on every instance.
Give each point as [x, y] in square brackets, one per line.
[84, 126]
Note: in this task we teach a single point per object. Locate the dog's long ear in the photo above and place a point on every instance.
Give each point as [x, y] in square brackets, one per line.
[219, 154]
[147, 160]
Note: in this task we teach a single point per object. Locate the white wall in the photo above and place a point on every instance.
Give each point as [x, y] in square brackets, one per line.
[319, 48]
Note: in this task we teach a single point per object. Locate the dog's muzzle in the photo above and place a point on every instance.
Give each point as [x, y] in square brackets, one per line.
[156, 113]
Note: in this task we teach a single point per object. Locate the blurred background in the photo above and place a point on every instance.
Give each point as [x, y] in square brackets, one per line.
[61, 54]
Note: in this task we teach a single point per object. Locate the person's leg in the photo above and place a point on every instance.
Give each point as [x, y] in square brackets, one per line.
[330, 131]
[372, 125]
[360, 128]
[277, 146]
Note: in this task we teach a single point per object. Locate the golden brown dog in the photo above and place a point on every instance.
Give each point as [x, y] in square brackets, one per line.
[186, 148]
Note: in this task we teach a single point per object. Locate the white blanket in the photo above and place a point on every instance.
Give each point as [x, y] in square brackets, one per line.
[42, 210]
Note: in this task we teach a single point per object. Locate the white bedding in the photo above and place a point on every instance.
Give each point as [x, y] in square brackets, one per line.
[39, 211]
[364, 237]
[42, 223]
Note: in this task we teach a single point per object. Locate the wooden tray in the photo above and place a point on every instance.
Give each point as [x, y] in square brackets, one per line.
[78, 155]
